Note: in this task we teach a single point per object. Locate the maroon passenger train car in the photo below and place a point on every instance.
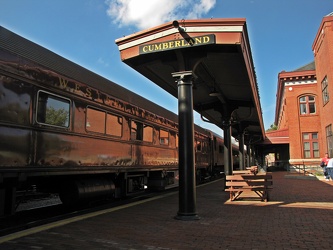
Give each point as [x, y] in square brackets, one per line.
[67, 130]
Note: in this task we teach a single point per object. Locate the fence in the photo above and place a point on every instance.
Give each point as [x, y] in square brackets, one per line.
[303, 169]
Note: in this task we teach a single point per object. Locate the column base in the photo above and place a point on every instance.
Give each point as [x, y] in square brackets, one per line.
[187, 217]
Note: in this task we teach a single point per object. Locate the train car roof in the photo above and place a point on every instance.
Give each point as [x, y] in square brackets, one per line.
[27, 49]
[42, 56]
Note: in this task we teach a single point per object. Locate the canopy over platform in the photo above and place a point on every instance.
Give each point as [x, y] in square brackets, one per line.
[217, 52]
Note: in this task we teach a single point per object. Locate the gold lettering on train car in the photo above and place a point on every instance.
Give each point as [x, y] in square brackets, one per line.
[77, 87]
[134, 110]
[62, 83]
[128, 108]
[88, 92]
[107, 100]
[120, 105]
[96, 96]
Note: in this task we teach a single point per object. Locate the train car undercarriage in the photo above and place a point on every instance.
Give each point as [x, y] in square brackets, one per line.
[75, 190]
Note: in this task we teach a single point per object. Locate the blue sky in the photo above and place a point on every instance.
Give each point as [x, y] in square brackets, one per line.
[281, 34]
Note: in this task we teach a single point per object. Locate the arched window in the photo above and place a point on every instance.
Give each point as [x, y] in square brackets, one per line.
[307, 105]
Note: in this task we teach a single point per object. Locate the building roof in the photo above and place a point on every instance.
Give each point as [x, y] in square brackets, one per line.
[280, 136]
[307, 71]
[309, 66]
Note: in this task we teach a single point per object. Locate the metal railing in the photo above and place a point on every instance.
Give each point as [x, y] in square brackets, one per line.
[303, 169]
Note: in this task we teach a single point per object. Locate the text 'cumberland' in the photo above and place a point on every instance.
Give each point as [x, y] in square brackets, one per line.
[177, 44]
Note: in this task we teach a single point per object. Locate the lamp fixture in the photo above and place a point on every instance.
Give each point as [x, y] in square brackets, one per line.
[214, 93]
[177, 26]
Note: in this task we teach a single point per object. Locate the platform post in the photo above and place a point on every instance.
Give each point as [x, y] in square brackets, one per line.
[228, 162]
[241, 151]
[187, 184]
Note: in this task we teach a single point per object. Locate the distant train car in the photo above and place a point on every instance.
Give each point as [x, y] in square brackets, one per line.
[67, 130]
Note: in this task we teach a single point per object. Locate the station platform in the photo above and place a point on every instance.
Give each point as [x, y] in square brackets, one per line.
[299, 215]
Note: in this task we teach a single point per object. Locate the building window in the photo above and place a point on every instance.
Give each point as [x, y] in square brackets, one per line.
[329, 140]
[324, 90]
[307, 105]
[310, 145]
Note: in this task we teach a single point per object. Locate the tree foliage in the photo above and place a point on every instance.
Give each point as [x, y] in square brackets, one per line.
[272, 127]
[58, 117]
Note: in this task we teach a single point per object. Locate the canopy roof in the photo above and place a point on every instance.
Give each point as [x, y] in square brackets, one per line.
[217, 51]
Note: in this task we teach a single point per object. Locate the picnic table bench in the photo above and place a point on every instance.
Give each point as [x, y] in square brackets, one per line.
[260, 184]
[234, 172]
[250, 170]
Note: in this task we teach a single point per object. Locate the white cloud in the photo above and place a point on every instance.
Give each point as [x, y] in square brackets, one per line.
[102, 62]
[149, 13]
[200, 8]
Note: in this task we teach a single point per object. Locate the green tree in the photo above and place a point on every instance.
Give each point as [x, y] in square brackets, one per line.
[58, 117]
[272, 127]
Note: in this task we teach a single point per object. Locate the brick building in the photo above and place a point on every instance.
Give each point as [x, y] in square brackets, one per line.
[303, 103]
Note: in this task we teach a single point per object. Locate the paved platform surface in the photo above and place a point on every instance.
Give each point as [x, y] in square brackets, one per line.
[299, 215]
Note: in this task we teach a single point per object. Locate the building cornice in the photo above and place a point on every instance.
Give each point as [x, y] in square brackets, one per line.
[326, 21]
[291, 78]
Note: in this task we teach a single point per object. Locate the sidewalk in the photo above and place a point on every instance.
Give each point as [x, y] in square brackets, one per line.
[299, 215]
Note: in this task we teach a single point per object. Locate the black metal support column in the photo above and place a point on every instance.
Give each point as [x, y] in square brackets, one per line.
[251, 155]
[241, 151]
[228, 161]
[187, 184]
[248, 155]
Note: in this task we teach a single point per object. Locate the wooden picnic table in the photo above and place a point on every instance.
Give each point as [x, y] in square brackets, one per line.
[260, 184]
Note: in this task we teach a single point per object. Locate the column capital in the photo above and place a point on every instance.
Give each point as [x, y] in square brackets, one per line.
[182, 75]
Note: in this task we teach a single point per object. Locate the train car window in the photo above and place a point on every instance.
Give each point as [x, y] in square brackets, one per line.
[148, 133]
[141, 132]
[95, 120]
[136, 130]
[53, 110]
[204, 147]
[114, 125]
[220, 149]
[198, 145]
[164, 137]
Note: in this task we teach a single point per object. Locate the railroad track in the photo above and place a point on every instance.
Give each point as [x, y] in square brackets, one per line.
[40, 215]
[33, 215]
